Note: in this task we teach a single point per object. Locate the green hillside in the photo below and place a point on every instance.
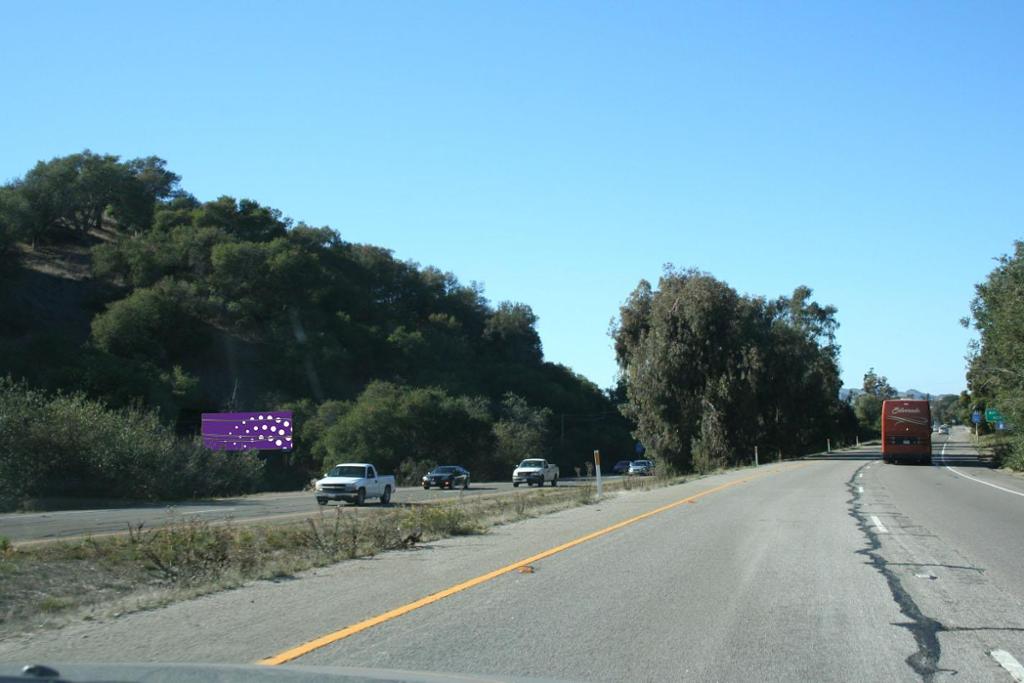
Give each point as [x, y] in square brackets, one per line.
[120, 285]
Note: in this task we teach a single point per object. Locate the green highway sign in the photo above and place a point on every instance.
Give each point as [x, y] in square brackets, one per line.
[993, 415]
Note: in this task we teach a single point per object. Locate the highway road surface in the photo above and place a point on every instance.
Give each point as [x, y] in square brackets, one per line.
[827, 569]
[264, 507]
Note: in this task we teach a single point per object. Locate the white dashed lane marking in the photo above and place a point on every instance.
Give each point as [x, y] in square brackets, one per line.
[1008, 662]
[967, 476]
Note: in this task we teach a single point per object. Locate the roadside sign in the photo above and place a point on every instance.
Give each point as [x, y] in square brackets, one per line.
[993, 415]
[269, 431]
[976, 416]
[1000, 425]
[639, 448]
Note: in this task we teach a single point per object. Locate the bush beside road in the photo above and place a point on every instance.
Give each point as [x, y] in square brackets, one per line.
[71, 446]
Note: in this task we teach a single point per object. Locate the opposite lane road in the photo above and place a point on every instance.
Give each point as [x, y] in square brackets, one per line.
[43, 526]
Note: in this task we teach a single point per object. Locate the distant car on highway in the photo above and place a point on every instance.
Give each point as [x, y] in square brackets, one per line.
[354, 482]
[943, 429]
[641, 467]
[447, 476]
[621, 467]
[535, 471]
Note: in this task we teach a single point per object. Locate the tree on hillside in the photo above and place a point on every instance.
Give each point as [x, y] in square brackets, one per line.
[75, 193]
[13, 212]
[521, 432]
[146, 181]
[245, 220]
[154, 324]
[390, 423]
[511, 331]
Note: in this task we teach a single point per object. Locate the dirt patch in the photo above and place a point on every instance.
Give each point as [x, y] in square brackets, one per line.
[68, 261]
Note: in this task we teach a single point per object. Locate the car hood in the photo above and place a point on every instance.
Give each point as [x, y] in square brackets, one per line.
[339, 480]
[529, 469]
[241, 673]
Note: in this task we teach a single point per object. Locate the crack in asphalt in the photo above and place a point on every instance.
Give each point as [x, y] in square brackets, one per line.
[971, 629]
[924, 629]
[980, 570]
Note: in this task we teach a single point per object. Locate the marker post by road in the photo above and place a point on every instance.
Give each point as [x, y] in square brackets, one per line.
[597, 467]
[828, 445]
[755, 456]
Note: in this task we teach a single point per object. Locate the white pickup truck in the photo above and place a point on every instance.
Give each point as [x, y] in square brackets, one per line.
[535, 471]
[354, 482]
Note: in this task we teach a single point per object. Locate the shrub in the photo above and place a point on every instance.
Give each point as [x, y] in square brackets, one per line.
[410, 472]
[190, 551]
[70, 446]
[1012, 455]
[445, 519]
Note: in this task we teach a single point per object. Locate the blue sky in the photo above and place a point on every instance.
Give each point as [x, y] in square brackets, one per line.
[558, 152]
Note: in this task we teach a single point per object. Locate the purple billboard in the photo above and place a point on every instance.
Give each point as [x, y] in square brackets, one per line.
[248, 431]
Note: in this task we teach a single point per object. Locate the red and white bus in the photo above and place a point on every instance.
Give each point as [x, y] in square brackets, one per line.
[906, 431]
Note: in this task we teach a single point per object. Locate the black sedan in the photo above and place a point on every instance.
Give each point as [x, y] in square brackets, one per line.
[447, 477]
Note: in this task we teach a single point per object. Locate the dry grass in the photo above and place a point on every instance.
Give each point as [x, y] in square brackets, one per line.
[68, 261]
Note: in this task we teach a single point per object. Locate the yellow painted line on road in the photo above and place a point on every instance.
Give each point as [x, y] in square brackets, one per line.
[306, 648]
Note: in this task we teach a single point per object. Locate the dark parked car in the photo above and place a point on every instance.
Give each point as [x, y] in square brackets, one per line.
[447, 476]
[621, 467]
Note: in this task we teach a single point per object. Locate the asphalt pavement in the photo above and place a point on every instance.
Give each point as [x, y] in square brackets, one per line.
[838, 568]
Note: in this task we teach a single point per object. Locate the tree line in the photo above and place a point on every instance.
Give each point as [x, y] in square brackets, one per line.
[199, 306]
[995, 372]
[709, 373]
